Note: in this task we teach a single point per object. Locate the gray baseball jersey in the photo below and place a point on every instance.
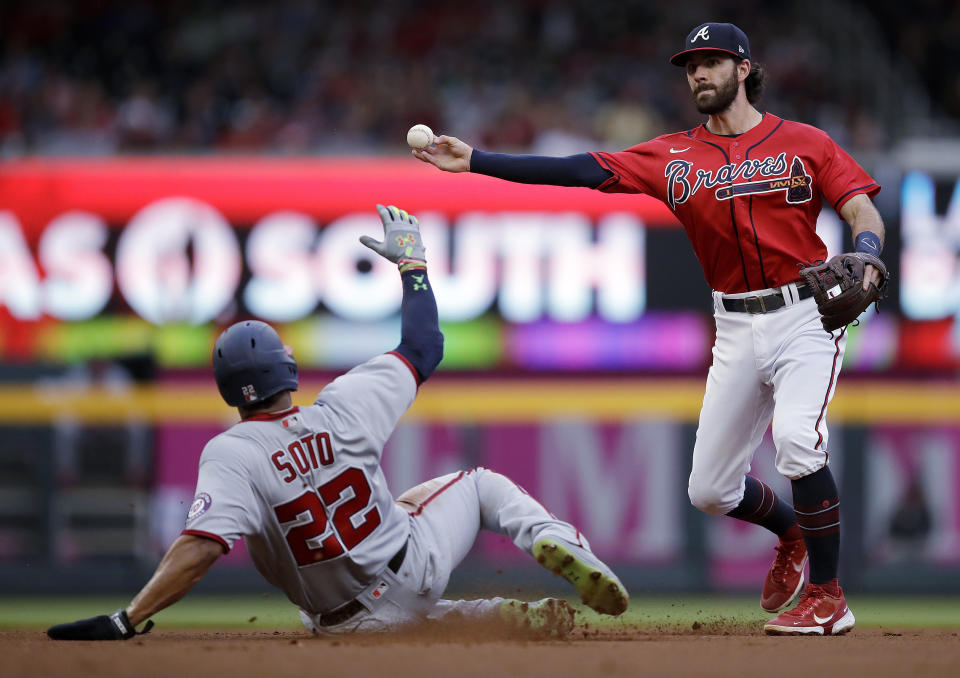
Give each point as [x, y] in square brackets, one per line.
[305, 490]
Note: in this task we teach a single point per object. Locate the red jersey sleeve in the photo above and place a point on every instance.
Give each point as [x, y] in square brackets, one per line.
[632, 169]
[841, 177]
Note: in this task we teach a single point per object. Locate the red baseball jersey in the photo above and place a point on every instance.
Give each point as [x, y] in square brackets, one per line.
[749, 203]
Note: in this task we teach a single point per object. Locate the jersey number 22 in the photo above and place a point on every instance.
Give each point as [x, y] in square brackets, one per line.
[344, 535]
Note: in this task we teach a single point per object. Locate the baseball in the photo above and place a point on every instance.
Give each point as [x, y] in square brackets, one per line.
[419, 137]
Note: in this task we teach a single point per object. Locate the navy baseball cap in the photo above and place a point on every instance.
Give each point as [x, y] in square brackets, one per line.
[713, 37]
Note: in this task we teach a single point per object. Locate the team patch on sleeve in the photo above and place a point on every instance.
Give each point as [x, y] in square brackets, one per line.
[199, 506]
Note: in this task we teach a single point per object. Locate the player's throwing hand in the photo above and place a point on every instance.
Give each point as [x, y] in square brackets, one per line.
[448, 153]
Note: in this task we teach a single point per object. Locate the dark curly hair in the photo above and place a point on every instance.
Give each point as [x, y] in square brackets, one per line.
[755, 82]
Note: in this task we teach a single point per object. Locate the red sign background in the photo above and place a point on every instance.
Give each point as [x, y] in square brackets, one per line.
[244, 189]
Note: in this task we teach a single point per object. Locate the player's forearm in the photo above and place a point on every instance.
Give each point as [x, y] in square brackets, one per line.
[421, 341]
[574, 170]
[864, 218]
[869, 220]
[184, 564]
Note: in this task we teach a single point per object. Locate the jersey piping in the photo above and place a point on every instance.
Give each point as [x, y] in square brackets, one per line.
[403, 359]
[733, 218]
[460, 476]
[272, 416]
[756, 238]
[826, 397]
[858, 189]
[613, 179]
[209, 535]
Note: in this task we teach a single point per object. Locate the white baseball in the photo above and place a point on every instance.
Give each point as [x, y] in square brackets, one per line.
[419, 137]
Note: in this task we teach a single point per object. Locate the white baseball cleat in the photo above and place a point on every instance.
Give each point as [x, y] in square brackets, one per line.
[546, 617]
[598, 586]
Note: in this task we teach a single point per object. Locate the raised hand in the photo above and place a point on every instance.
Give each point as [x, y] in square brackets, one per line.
[401, 238]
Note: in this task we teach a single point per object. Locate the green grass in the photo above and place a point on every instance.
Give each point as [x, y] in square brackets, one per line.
[274, 612]
[871, 611]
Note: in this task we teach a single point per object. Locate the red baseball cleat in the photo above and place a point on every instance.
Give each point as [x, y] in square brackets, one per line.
[818, 613]
[785, 579]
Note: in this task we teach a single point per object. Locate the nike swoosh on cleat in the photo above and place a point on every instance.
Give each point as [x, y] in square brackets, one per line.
[817, 618]
[680, 150]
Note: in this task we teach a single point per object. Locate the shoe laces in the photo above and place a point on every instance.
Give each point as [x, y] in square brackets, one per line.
[808, 599]
[782, 561]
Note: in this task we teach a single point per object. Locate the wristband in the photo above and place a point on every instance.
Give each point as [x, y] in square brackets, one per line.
[868, 242]
[121, 623]
[405, 265]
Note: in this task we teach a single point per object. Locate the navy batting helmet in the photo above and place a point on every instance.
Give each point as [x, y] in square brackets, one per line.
[250, 364]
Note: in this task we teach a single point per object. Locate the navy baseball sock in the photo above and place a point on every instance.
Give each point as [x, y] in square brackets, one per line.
[817, 505]
[761, 506]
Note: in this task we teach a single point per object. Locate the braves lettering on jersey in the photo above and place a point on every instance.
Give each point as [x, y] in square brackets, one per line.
[305, 489]
[749, 203]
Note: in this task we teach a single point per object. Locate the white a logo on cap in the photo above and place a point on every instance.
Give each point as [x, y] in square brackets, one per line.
[702, 33]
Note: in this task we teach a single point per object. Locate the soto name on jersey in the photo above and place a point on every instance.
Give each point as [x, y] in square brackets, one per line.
[309, 452]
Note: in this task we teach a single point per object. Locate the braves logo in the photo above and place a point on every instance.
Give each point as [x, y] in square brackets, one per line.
[702, 33]
[798, 185]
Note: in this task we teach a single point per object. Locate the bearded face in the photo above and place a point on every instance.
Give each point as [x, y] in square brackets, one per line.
[716, 94]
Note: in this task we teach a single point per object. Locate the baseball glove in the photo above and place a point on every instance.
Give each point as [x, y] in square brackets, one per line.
[837, 286]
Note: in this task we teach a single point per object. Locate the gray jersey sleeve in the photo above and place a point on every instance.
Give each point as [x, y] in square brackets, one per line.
[224, 508]
[370, 399]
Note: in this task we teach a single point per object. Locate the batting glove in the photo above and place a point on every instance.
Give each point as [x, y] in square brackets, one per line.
[401, 239]
[115, 626]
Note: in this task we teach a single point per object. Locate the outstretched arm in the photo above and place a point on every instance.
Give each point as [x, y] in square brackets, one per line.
[452, 155]
[185, 563]
[421, 342]
[868, 232]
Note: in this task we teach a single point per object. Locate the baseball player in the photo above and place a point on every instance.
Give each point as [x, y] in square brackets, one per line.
[303, 486]
[747, 187]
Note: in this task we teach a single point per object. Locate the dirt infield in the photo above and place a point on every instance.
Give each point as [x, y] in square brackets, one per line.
[439, 653]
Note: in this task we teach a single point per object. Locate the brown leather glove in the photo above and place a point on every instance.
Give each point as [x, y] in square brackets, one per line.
[837, 286]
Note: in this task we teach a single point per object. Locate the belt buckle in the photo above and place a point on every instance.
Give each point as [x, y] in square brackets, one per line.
[754, 310]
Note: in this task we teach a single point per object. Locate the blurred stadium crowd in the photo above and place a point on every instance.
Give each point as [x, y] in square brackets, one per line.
[555, 77]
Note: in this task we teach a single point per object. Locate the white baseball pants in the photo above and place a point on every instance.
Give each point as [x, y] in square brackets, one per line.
[446, 514]
[780, 365]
